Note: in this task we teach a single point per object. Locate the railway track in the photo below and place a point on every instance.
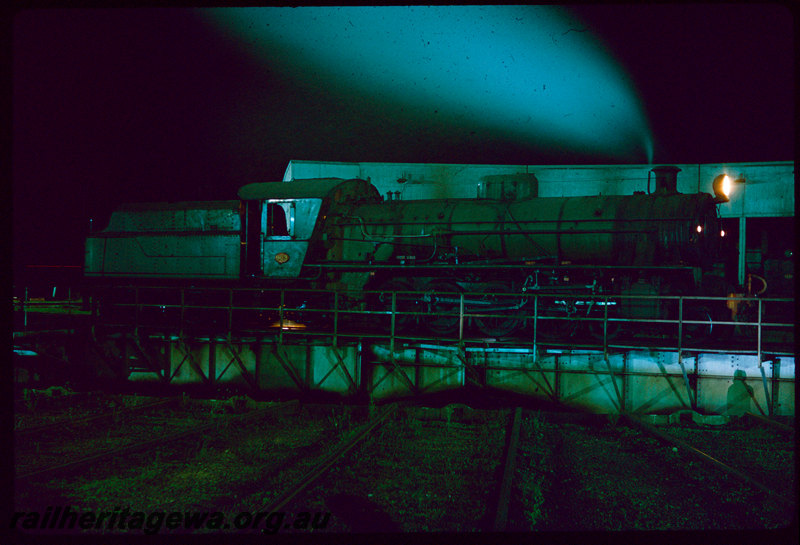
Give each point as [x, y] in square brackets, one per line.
[597, 476]
[58, 405]
[409, 468]
[71, 422]
[334, 457]
[233, 458]
[769, 422]
[720, 493]
[141, 431]
[415, 473]
[705, 446]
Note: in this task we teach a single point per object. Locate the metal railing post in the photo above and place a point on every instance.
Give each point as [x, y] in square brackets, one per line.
[183, 310]
[758, 337]
[230, 311]
[335, 317]
[392, 325]
[535, 323]
[280, 316]
[767, 397]
[605, 326]
[460, 318]
[138, 309]
[92, 306]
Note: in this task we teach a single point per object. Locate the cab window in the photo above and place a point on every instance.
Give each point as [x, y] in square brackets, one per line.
[279, 219]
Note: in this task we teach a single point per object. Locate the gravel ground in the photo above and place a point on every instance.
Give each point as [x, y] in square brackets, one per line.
[598, 477]
[761, 453]
[202, 473]
[44, 407]
[64, 444]
[437, 470]
[414, 476]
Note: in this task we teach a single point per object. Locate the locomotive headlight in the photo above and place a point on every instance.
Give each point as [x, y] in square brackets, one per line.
[699, 228]
[723, 186]
[726, 185]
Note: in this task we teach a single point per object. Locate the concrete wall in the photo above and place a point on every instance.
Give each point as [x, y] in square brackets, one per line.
[643, 381]
[768, 191]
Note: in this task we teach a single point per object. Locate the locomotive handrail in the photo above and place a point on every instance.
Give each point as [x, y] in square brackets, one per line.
[338, 318]
[530, 293]
[494, 221]
[534, 263]
[368, 236]
[503, 294]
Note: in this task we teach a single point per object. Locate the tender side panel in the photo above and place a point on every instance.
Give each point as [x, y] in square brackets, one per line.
[169, 256]
[169, 240]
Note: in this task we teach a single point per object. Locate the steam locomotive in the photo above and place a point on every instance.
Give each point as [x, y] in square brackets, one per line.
[488, 255]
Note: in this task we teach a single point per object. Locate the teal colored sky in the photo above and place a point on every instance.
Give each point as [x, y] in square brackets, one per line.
[535, 75]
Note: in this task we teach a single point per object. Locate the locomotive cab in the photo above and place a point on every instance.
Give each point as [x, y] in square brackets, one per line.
[287, 227]
[284, 224]
[271, 231]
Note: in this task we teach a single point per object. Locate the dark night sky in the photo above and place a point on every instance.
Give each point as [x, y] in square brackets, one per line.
[112, 106]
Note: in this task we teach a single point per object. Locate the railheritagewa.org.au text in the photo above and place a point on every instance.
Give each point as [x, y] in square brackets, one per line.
[67, 519]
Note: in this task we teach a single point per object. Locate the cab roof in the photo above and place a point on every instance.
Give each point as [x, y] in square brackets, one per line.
[319, 188]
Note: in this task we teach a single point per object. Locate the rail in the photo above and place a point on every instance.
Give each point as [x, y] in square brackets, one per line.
[147, 444]
[706, 458]
[741, 325]
[332, 458]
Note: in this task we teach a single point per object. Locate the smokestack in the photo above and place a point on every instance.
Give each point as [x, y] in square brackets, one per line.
[666, 179]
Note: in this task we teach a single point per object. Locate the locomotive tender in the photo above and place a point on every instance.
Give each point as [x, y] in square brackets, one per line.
[489, 253]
